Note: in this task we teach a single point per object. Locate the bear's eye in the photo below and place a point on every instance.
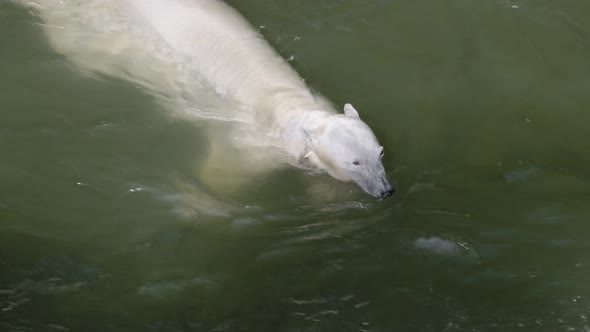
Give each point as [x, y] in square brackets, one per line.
[382, 153]
[356, 162]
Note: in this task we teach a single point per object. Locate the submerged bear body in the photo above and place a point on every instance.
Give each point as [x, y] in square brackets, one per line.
[171, 47]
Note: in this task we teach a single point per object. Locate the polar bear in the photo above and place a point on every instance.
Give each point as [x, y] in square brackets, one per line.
[208, 43]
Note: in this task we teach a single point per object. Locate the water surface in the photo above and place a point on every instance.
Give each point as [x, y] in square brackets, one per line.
[482, 107]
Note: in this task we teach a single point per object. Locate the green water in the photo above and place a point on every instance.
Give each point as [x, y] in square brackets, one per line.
[482, 106]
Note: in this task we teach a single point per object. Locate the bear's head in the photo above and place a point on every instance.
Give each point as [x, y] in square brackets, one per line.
[345, 147]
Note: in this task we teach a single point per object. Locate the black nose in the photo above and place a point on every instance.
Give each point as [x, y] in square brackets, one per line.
[387, 193]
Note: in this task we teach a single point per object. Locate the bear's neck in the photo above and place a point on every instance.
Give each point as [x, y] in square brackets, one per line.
[292, 117]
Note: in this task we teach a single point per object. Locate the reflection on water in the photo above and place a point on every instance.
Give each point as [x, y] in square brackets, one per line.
[106, 225]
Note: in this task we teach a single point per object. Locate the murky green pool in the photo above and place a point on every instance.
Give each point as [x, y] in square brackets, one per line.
[483, 107]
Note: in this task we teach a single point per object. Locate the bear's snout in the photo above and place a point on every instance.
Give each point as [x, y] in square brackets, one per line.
[387, 193]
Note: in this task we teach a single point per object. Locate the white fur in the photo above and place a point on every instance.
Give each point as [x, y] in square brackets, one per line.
[182, 48]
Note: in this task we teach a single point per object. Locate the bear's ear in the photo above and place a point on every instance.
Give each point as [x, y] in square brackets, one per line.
[350, 111]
